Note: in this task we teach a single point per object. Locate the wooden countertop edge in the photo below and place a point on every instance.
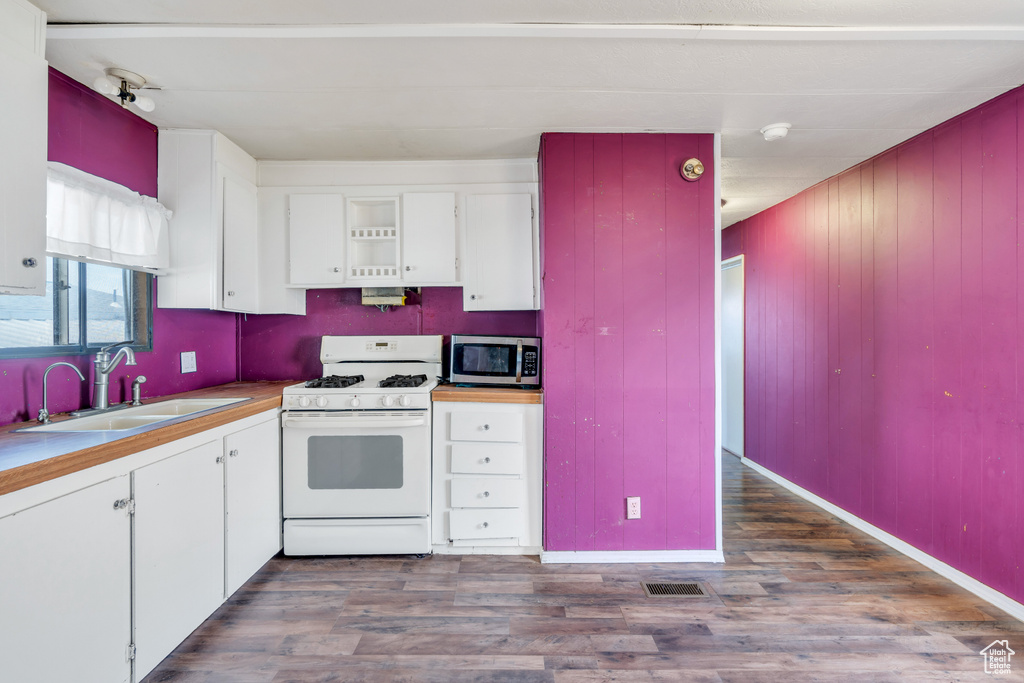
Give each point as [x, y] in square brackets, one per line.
[454, 394]
[44, 470]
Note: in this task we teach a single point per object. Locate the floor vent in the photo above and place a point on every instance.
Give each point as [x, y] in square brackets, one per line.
[674, 590]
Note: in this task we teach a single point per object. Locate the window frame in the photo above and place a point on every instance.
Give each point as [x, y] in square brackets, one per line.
[142, 316]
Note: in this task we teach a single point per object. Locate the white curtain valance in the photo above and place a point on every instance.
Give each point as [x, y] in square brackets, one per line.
[92, 219]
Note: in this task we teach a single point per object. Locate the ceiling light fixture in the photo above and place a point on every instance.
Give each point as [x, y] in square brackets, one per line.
[122, 85]
[775, 131]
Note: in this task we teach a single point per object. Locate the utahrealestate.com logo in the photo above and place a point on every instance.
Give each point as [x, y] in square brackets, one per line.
[997, 657]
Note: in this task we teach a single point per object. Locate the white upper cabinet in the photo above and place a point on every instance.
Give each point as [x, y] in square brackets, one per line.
[428, 238]
[500, 272]
[241, 256]
[208, 182]
[217, 259]
[23, 79]
[316, 239]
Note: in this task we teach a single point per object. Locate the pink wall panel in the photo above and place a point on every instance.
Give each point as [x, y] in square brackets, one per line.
[629, 268]
[92, 133]
[911, 316]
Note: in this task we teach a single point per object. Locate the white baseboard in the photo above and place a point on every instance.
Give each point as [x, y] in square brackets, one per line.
[629, 556]
[487, 550]
[986, 593]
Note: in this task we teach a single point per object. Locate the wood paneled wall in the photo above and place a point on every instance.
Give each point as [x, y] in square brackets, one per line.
[885, 341]
[628, 350]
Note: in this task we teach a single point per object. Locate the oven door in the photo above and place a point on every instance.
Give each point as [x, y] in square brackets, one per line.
[356, 464]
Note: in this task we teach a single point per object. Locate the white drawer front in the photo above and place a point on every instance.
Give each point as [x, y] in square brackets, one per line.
[479, 523]
[488, 493]
[483, 426]
[487, 458]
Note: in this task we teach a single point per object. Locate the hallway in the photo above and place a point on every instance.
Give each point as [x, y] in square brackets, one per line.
[801, 597]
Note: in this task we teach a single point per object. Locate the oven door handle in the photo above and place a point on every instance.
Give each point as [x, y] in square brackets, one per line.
[327, 423]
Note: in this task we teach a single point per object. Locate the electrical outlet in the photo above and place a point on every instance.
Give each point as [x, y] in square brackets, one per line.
[632, 507]
[188, 361]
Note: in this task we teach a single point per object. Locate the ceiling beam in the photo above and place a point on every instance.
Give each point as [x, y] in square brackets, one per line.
[578, 31]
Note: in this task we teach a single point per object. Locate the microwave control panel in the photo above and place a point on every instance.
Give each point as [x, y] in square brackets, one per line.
[530, 363]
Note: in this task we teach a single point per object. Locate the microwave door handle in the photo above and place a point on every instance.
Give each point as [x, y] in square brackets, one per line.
[519, 361]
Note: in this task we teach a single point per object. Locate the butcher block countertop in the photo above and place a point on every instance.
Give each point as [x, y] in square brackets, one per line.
[453, 393]
[28, 458]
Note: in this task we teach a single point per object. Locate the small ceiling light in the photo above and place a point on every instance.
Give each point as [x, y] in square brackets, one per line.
[775, 131]
[122, 84]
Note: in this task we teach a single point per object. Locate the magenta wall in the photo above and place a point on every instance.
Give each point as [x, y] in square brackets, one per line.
[274, 347]
[885, 341]
[92, 133]
[628, 322]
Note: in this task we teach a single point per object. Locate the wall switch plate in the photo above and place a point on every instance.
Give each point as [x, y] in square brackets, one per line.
[632, 507]
[188, 361]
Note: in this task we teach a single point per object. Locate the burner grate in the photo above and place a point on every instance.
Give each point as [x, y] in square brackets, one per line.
[334, 382]
[403, 381]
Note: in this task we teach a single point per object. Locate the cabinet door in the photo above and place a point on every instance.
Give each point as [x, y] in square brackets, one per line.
[65, 588]
[23, 76]
[428, 238]
[178, 549]
[252, 482]
[499, 253]
[316, 239]
[241, 263]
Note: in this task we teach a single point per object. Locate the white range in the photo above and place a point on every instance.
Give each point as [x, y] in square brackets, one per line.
[356, 448]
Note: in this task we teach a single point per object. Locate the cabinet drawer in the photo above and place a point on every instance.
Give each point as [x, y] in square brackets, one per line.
[487, 458]
[466, 524]
[485, 426]
[490, 492]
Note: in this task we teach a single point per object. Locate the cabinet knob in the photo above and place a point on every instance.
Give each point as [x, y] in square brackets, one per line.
[337, 270]
[487, 494]
[231, 293]
[233, 452]
[487, 459]
[485, 525]
[473, 297]
[486, 427]
[408, 268]
[29, 262]
[220, 459]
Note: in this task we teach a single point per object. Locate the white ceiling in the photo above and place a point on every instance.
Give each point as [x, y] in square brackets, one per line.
[406, 79]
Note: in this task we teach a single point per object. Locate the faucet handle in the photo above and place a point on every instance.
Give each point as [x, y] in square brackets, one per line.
[107, 348]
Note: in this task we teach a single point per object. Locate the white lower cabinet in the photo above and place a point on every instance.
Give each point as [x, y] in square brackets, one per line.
[178, 549]
[487, 477]
[137, 555]
[252, 494]
[65, 588]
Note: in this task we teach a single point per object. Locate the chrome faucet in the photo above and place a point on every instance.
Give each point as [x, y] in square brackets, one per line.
[44, 413]
[104, 365]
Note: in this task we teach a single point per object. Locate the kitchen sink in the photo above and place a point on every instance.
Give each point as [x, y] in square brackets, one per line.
[136, 417]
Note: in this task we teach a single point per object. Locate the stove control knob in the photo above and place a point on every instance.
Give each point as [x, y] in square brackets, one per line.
[303, 401]
[388, 401]
[354, 402]
[321, 401]
[405, 401]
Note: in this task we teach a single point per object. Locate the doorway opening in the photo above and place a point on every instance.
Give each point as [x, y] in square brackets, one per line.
[732, 355]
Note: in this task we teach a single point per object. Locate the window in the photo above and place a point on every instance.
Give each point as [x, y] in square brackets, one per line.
[85, 306]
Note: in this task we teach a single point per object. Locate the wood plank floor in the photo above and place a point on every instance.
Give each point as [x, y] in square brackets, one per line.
[801, 597]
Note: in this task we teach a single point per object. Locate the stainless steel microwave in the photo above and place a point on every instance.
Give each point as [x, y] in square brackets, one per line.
[501, 361]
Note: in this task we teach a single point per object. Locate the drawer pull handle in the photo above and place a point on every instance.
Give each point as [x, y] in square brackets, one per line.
[486, 427]
[485, 525]
[487, 494]
[487, 459]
